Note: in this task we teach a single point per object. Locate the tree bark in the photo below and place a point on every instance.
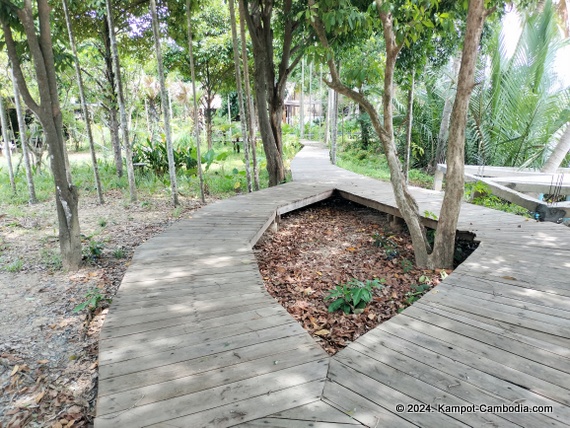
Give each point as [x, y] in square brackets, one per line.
[446, 117]
[242, 112]
[7, 148]
[334, 126]
[121, 100]
[112, 97]
[23, 140]
[559, 153]
[444, 245]
[195, 100]
[84, 108]
[164, 103]
[302, 102]
[249, 110]
[269, 86]
[409, 122]
[49, 113]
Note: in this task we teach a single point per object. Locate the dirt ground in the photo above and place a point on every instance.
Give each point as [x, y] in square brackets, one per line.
[48, 353]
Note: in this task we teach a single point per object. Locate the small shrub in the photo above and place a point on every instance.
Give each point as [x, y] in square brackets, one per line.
[353, 296]
[119, 253]
[93, 250]
[93, 299]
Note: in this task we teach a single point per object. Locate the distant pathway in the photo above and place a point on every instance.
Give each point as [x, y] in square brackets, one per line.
[194, 340]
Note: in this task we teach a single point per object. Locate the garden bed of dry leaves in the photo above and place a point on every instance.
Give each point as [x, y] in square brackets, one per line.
[331, 243]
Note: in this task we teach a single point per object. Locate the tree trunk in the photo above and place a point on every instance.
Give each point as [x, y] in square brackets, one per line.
[444, 245]
[302, 102]
[269, 87]
[23, 140]
[559, 153]
[446, 117]
[164, 103]
[121, 100]
[208, 117]
[195, 100]
[409, 122]
[49, 113]
[7, 148]
[242, 113]
[84, 108]
[113, 110]
[334, 126]
[249, 111]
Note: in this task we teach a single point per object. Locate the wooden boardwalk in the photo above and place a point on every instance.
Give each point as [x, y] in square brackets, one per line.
[194, 340]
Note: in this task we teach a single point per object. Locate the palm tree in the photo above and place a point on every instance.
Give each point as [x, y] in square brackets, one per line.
[518, 109]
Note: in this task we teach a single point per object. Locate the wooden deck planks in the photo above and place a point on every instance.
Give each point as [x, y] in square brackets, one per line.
[194, 340]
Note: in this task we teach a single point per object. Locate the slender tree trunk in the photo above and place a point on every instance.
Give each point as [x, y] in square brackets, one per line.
[310, 99]
[559, 153]
[113, 111]
[444, 248]
[83, 104]
[23, 140]
[49, 113]
[164, 103]
[302, 102]
[242, 113]
[208, 114]
[121, 100]
[328, 116]
[334, 126]
[7, 148]
[446, 115]
[409, 122]
[195, 100]
[249, 110]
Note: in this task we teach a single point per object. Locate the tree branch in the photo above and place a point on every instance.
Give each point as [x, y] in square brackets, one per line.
[17, 67]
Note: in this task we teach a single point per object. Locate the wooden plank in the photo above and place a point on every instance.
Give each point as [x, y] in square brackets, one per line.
[449, 384]
[526, 356]
[492, 388]
[199, 350]
[195, 382]
[503, 365]
[193, 366]
[387, 396]
[419, 385]
[360, 408]
[212, 406]
[317, 411]
[121, 351]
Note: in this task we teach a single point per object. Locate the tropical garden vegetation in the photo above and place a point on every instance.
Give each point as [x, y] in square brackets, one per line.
[167, 91]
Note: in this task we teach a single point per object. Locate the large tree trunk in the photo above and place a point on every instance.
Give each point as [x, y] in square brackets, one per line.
[242, 112]
[121, 100]
[269, 87]
[195, 101]
[23, 140]
[49, 113]
[559, 153]
[164, 102]
[7, 148]
[84, 108]
[113, 109]
[444, 248]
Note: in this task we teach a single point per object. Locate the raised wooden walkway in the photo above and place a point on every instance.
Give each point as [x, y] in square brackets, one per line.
[194, 340]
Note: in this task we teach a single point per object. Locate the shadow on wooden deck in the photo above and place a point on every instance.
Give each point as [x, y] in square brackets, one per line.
[194, 340]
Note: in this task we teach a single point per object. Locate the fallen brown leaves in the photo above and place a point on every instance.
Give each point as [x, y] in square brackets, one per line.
[331, 243]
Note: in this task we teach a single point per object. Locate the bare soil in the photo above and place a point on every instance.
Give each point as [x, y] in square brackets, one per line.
[48, 353]
[331, 243]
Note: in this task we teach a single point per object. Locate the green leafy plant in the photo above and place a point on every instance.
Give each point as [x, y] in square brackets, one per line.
[417, 291]
[429, 214]
[352, 296]
[93, 299]
[14, 267]
[119, 253]
[407, 265]
[93, 249]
